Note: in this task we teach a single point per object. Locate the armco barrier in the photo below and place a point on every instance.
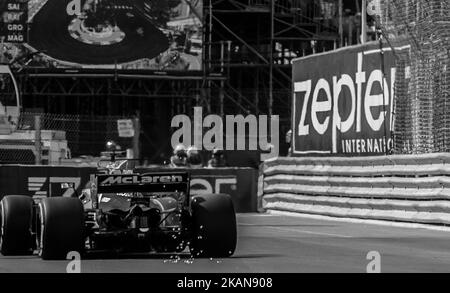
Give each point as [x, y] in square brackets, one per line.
[42, 181]
[407, 188]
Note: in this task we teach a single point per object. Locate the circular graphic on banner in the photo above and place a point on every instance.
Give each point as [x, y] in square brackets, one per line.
[102, 34]
[9, 101]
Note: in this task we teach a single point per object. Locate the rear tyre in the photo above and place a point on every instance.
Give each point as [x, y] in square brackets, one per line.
[62, 227]
[213, 225]
[16, 216]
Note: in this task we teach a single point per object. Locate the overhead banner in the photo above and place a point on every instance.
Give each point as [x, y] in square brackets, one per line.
[343, 101]
[13, 20]
[133, 35]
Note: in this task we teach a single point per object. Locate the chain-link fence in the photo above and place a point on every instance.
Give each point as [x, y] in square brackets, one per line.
[59, 138]
[422, 109]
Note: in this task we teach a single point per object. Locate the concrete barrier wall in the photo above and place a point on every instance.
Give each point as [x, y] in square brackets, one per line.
[407, 188]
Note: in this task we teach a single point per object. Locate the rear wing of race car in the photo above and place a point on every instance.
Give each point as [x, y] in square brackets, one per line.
[148, 182]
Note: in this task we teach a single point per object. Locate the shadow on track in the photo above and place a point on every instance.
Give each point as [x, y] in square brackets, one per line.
[166, 256]
[134, 255]
[256, 255]
[278, 225]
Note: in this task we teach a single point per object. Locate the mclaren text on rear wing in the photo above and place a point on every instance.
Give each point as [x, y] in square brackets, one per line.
[149, 182]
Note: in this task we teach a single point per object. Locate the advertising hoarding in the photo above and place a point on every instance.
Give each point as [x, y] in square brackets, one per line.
[343, 101]
[45, 181]
[13, 21]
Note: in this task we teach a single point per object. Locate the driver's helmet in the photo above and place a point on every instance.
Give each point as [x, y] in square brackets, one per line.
[194, 158]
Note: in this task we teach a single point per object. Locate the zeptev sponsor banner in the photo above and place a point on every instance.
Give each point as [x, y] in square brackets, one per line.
[343, 101]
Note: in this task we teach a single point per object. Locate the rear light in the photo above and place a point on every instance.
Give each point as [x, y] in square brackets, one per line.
[143, 222]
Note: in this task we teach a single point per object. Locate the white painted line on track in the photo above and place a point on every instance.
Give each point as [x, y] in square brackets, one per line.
[362, 221]
[296, 230]
[241, 215]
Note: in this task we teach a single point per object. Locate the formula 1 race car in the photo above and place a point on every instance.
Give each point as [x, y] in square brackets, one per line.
[121, 210]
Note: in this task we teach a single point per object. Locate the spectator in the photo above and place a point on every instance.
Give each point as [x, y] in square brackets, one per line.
[289, 136]
[194, 158]
[179, 158]
[288, 141]
[217, 159]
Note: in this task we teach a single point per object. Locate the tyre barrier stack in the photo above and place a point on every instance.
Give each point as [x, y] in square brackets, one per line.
[405, 188]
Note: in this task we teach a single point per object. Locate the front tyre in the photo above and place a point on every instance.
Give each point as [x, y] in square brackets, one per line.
[16, 216]
[62, 227]
[213, 225]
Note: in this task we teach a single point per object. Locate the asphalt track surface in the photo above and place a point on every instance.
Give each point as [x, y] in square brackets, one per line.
[49, 34]
[279, 243]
